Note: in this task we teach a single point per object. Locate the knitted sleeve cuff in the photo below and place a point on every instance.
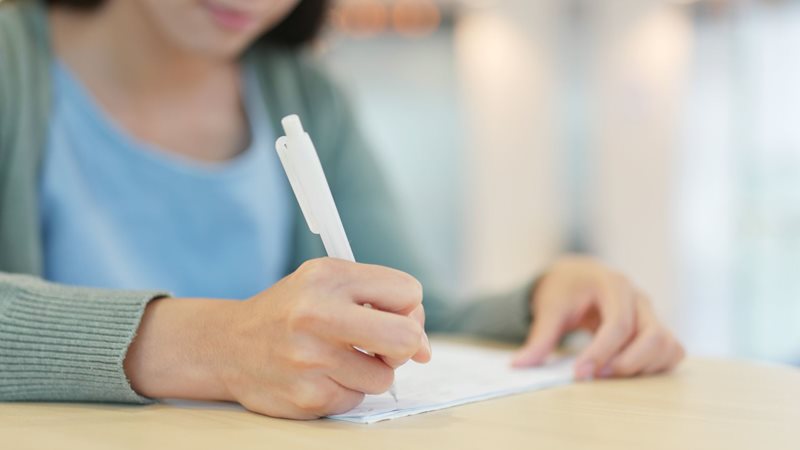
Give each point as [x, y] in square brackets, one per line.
[63, 343]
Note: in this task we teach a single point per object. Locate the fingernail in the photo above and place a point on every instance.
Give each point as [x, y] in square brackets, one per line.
[606, 372]
[585, 371]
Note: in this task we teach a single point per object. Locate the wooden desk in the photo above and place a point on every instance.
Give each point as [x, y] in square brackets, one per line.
[706, 404]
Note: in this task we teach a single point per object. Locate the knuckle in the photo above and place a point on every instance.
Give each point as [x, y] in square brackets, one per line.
[310, 267]
[306, 316]
[318, 271]
[304, 358]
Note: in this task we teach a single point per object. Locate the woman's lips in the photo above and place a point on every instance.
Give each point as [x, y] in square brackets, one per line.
[228, 18]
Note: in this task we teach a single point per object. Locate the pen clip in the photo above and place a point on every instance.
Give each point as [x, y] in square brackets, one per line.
[284, 153]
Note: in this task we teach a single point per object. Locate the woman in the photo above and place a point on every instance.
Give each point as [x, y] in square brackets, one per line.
[136, 157]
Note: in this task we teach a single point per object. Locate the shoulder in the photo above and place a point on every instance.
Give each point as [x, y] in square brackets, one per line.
[12, 15]
[11, 35]
[298, 69]
[23, 32]
[24, 69]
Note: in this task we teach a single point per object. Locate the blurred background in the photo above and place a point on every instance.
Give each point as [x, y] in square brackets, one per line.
[662, 136]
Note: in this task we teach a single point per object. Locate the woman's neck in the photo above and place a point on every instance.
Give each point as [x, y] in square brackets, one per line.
[183, 103]
[117, 44]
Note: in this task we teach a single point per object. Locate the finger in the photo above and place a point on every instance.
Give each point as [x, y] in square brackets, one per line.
[659, 364]
[425, 353]
[649, 344]
[342, 400]
[423, 356]
[318, 397]
[679, 356]
[668, 362]
[618, 314]
[650, 349]
[418, 314]
[382, 287]
[548, 327]
[360, 372]
[386, 334]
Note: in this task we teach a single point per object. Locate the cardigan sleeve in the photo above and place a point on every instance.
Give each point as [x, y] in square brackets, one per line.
[377, 229]
[63, 343]
[56, 342]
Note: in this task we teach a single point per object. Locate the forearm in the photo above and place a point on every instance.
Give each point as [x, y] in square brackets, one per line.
[177, 351]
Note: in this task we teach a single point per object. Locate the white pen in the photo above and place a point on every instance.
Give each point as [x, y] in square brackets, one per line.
[301, 163]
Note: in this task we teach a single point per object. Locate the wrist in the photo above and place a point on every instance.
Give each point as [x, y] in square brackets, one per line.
[178, 351]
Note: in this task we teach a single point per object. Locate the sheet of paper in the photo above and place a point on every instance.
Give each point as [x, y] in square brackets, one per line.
[457, 374]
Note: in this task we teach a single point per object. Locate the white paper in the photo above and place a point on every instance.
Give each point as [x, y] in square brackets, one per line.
[456, 375]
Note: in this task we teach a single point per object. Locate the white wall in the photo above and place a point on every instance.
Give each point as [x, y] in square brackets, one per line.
[664, 142]
[407, 102]
[513, 226]
[517, 74]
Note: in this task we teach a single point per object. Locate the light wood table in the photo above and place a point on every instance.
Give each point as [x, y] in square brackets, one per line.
[706, 404]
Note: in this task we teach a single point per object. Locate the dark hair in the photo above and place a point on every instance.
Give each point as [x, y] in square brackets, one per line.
[300, 27]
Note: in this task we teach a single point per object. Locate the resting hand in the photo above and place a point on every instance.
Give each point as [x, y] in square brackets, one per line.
[580, 293]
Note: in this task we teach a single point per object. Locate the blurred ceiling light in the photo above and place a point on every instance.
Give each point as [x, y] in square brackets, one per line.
[368, 18]
[415, 18]
[361, 18]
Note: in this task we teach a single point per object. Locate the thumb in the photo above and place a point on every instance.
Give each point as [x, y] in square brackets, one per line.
[546, 331]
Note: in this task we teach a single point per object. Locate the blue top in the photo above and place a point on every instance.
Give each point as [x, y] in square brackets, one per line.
[118, 213]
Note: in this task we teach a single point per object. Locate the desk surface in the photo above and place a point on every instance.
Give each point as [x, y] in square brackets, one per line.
[706, 404]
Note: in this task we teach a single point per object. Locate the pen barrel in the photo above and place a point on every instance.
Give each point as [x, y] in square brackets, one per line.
[307, 178]
[336, 247]
[321, 200]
